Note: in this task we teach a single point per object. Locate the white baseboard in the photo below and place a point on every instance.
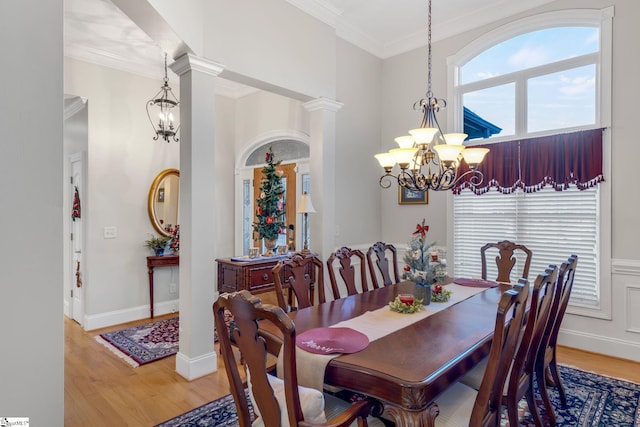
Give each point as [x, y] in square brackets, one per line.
[600, 344]
[118, 317]
[196, 367]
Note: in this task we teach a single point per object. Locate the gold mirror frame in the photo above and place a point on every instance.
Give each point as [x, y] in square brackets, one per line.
[157, 195]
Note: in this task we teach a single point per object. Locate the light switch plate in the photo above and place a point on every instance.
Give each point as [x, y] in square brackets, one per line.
[110, 232]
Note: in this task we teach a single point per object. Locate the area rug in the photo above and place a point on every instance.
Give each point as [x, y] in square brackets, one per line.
[219, 413]
[593, 400]
[143, 344]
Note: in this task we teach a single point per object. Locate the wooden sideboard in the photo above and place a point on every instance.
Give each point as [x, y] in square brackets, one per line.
[253, 275]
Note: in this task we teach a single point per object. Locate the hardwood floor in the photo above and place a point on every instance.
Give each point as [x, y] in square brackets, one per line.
[102, 390]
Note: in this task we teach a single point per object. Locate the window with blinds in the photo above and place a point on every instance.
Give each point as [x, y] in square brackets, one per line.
[552, 224]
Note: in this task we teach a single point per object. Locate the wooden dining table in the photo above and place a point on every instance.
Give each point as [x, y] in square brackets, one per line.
[408, 368]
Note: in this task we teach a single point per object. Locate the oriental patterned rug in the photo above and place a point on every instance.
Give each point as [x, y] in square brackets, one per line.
[143, 344]
[593, 400]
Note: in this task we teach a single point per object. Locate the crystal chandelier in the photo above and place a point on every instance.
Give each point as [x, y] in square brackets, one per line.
[164, 103]
[429, 159]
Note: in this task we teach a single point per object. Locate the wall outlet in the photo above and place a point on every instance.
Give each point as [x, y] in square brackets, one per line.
[173, 288]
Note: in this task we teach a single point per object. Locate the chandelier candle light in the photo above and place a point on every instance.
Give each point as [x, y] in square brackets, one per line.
[165, 101]
[429, 159]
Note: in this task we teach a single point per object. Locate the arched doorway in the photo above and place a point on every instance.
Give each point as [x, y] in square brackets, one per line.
[292, 148]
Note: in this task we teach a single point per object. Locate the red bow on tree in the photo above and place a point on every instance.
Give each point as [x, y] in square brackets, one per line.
[421, 229]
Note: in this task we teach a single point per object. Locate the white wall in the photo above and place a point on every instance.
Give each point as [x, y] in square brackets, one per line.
[122, 162]
[32, 383]
[358, 216]
[289, 49]
[261, 113]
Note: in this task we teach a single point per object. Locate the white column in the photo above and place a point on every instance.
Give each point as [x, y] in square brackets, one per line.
[196, 356]
[322, 166]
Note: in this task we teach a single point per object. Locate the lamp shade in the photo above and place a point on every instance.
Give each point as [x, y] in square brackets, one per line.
[423, 135]
[403, 156]
[386, 160]
[405, 141]
[448, 152]
[455, 138]
[473, 156]
[305, 205]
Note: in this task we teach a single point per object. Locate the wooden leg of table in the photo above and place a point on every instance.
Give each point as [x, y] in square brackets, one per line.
[403, 417]
[151, 291]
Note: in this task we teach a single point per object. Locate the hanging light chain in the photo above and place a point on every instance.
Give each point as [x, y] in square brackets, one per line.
[429, 92]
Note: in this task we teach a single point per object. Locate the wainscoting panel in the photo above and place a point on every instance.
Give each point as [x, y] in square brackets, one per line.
[633, 314]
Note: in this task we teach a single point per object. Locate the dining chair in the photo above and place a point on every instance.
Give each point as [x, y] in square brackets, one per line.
[520, 383]
[546, 363]
[345, 258]
[521, 377]
[302, 275]
[505, 260]
[460, 404]
[276, 402]
[382, 265]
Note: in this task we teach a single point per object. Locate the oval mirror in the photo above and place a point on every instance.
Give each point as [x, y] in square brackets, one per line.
[162, 203]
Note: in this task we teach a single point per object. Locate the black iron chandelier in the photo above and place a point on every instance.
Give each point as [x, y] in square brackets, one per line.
[163, 104]
[427, 158]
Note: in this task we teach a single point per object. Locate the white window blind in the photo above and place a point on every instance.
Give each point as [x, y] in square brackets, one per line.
[552, 224]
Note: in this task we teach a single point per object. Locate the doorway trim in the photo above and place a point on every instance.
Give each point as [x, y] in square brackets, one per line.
[76, 311]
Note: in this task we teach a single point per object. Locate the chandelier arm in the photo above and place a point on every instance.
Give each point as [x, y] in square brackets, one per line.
[387, 179]
[476, 178]
[407, 180]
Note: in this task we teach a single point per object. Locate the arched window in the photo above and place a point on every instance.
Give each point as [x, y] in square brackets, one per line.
[545, 75]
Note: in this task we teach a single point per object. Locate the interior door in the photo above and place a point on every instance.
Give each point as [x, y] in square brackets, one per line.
[77, 267]
[289, 183]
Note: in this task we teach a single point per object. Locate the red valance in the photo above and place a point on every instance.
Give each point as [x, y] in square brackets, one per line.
[530, 164]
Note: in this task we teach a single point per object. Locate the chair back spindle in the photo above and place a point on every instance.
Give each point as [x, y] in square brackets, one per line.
[305, 276]
[378, 262]
[505, 260]
[346, 257]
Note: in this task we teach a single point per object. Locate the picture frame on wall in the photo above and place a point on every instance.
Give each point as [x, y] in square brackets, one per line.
[407, 196]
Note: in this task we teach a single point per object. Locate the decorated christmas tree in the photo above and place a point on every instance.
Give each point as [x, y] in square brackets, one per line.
[270, 213]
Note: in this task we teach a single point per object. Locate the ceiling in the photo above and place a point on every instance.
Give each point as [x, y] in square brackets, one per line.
[99, 32]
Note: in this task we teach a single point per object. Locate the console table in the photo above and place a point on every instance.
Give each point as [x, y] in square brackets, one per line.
[159, 261]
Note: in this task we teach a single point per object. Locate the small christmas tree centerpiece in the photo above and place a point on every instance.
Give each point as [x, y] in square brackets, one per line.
[425, 265]
[270, 212]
